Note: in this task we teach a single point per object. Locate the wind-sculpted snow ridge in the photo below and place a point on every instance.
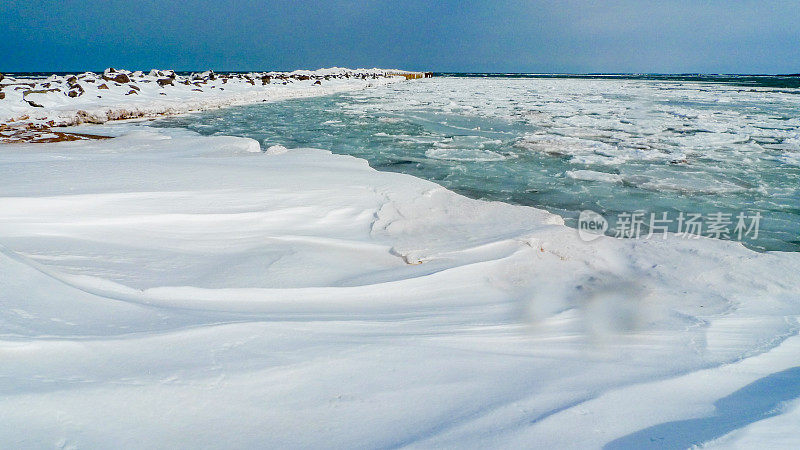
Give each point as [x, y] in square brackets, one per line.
[120, 94]
[163, 289]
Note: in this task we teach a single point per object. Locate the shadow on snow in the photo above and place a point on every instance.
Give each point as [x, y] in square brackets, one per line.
[756, 401]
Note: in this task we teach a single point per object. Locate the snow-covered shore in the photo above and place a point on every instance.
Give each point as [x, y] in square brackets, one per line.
[163, 289]
[119, 94]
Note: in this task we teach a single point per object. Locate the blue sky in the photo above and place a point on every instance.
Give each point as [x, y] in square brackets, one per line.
[710, 36]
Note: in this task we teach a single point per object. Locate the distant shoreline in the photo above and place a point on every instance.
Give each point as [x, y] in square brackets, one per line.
[31, 105]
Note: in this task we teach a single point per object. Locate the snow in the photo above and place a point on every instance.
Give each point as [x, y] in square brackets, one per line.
[592, 175]
[103, 99]
[163, 289]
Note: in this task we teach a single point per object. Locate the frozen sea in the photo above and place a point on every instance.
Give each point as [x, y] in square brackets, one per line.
[165, 289]
[710, 147]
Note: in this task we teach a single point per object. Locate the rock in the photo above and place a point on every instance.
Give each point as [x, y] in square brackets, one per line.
[318, 82]
[34, 104]
[121, 78]
[72, 80]
[40, 91]
[76, 90]
[164, 82]
[2, 95]
[265, 80]
[132, 91]
[198, 90]
[84, 116]
[133, 86]
[102, 86]
[207, 75]
[2, 76]
[111, 74]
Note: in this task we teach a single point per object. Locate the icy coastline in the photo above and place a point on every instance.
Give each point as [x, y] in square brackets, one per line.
[120, 94]
[166, 289]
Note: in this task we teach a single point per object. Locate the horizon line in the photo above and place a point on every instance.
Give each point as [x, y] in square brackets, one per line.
[444, 72]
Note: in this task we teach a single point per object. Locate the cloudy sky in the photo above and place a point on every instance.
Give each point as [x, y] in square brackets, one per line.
[666, 36]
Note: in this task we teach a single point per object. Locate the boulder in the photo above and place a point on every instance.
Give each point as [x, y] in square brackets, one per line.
[102, 86]
[132, 91]
[164, 82]
[2, 95]
[207, 75]
[2, 76]
[75, 90]
[119, 78]
[318, 82]
[265, 80]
